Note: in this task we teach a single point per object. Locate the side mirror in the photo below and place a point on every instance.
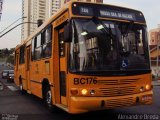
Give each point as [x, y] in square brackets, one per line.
[68, 32]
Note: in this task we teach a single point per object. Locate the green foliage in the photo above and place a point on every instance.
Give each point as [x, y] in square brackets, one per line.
[10, 59]
[7, 55]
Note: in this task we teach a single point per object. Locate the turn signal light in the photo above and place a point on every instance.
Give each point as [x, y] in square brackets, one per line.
[74, 92]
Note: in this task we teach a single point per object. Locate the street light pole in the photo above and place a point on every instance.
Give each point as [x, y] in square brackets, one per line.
[11, 24]
[15, 27]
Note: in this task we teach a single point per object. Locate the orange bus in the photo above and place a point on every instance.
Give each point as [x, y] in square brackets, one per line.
[87, 57]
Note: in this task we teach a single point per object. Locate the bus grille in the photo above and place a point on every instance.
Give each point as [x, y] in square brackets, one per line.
[120, 102]
[117, 91]
[117, 82]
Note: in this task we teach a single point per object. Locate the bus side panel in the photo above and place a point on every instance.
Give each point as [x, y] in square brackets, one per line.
[16, 68]
[40, 70]
[22, 75]
[36, 89]
[19, 70]
[35, 73]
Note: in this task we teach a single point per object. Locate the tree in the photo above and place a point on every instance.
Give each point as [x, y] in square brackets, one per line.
[10, 59]
[6, 51]
[0, 53]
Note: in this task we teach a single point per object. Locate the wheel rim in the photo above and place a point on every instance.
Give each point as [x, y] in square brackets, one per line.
[49, 98]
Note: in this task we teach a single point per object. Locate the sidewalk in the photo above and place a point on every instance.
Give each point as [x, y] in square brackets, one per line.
[156, 83]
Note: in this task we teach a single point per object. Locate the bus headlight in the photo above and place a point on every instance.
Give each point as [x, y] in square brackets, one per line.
[141, 89]
[92, 92]
[144, 88]
[147, 87]
[84, 91]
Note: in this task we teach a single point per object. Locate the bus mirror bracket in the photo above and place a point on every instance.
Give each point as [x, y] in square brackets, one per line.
[68, 32]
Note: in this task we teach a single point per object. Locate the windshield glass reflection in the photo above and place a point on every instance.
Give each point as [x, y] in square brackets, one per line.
[105, 46]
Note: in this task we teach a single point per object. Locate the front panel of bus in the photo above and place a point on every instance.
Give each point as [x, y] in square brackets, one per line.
[108, 59]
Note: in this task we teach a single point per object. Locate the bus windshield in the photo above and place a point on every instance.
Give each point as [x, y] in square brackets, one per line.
[108, 46]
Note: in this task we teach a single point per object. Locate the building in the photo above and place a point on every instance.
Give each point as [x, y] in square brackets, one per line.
[96, 1]
[33, 10]
[154, 36]
[52, 7]
[36, 10]
[155, 60]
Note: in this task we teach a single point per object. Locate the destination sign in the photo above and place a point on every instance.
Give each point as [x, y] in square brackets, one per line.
[86, 11]
[106, 11]
[117, 14]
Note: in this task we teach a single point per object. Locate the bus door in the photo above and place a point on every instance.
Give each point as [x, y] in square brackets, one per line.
[63, 67]
[16, 68]
[28, 56]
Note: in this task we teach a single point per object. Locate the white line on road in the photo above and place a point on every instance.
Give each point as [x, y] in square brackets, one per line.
[12, 88]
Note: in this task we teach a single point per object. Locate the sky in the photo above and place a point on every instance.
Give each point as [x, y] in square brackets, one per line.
[12, 10]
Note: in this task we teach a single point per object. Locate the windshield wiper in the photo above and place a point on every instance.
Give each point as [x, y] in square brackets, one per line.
[108, 31]
[97, 22]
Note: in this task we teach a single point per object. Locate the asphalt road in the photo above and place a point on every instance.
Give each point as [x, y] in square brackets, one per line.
[15, 106]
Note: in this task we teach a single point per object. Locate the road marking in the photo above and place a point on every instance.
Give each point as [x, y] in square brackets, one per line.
[12, 88]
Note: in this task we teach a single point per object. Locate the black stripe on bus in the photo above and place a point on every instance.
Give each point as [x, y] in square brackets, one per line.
[36, 81]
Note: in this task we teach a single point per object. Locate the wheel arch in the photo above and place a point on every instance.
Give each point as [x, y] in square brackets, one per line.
[45, 83]
[20, 79]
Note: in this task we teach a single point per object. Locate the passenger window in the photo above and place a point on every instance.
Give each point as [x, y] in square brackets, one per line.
[33, 46]
[47, 42]
[38, 43]
[42, 44]
[48, 34]
[37, 47]
[38, 52]
[47, 50]
[22, 55]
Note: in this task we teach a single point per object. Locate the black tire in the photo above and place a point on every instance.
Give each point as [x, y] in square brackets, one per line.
[48, 98]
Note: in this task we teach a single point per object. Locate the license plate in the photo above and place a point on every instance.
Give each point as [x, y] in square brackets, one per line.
[147, 97]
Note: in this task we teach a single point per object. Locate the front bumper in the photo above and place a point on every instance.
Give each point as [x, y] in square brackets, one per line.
[85, 104]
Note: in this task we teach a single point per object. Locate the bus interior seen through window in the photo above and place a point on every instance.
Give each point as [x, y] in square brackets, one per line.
[42, 44]
[108, 46]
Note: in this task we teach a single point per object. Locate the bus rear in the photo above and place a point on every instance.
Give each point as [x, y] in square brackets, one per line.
[108, 58]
